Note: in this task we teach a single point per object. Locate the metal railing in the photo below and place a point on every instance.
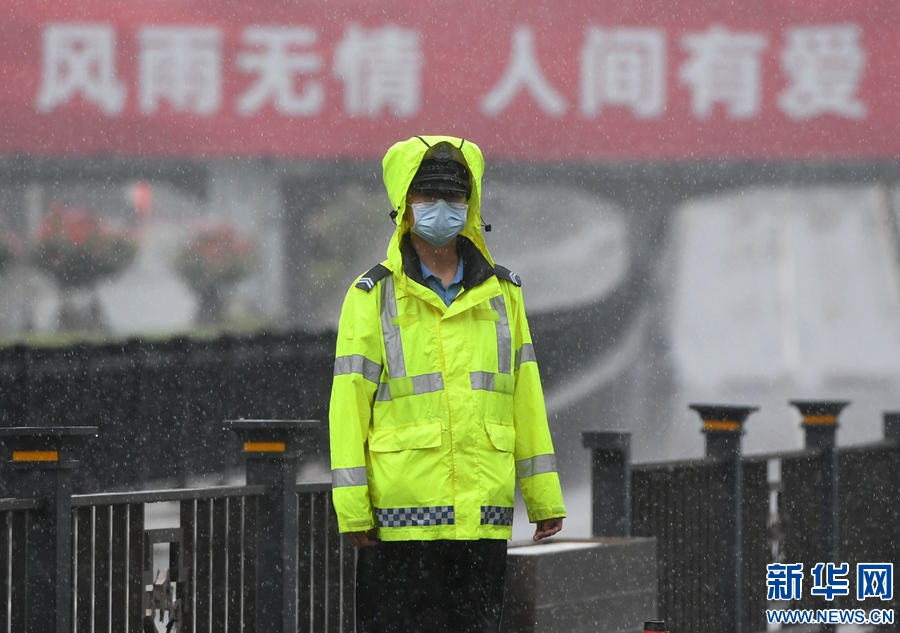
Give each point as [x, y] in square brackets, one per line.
[211, 563]
[266, 556]
[13, 560]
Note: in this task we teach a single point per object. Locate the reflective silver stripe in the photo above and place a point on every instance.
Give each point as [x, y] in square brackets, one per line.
[537, 465]
[427, 383]
[525, 354]
[392, 343]
[482, 380]
[341, 477]
[357, 364]
[504, 338]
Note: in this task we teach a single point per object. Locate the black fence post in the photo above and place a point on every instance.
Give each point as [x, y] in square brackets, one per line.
[891, 432]
[892, 425]
[820, 426]
[14, 385]
[723, 426]
[610, 481]
[42, 465]
[274, 450]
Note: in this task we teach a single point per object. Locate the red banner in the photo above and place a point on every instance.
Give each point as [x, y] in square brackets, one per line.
[598, 79]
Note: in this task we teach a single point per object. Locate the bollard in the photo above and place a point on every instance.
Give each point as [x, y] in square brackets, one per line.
[610, 481]
[723, 426]
[42, 466]
[655, 625]
[820, 426]
[891, 425]
[274, 449]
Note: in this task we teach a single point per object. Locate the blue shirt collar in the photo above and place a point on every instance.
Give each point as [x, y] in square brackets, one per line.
[426, 273]
[446, 293]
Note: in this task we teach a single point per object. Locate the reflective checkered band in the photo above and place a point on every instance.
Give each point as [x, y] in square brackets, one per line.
[407, 517]
[496, 515]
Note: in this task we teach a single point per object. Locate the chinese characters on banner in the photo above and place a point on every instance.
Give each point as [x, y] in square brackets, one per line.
[302, 88]
[381, 70]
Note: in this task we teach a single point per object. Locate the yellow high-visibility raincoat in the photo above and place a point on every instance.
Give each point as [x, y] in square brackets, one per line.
[435, 410]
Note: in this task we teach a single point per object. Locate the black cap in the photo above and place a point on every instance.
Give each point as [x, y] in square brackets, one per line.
[441, 172]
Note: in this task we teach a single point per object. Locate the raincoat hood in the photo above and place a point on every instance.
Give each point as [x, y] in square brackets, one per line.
[400, 165]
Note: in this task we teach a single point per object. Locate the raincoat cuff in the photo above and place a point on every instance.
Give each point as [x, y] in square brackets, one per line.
[542, 513]
[356, 525]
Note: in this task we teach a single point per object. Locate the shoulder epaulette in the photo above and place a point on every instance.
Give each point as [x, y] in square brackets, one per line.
[507, 275]
[375, 274]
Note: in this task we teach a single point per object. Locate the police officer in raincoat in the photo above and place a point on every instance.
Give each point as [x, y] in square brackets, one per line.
[437, 408]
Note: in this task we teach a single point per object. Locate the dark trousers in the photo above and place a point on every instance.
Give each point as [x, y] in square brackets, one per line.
[430, 587]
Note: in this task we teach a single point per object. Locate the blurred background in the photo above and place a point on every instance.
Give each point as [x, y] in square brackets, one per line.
[703, 200]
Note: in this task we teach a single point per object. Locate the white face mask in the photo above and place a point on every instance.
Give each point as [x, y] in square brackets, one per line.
[440, 221]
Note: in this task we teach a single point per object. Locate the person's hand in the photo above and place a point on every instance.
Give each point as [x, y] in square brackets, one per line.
[547, 527]
[363, 539]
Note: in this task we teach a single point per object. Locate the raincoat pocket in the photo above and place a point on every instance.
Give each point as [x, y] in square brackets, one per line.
[503, 436]
[405, 438]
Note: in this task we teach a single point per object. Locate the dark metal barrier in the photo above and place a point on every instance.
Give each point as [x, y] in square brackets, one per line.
[158, 404]
[869, 510]
[678, 504]
[799, 516]
[847, 496]
[755, 547]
